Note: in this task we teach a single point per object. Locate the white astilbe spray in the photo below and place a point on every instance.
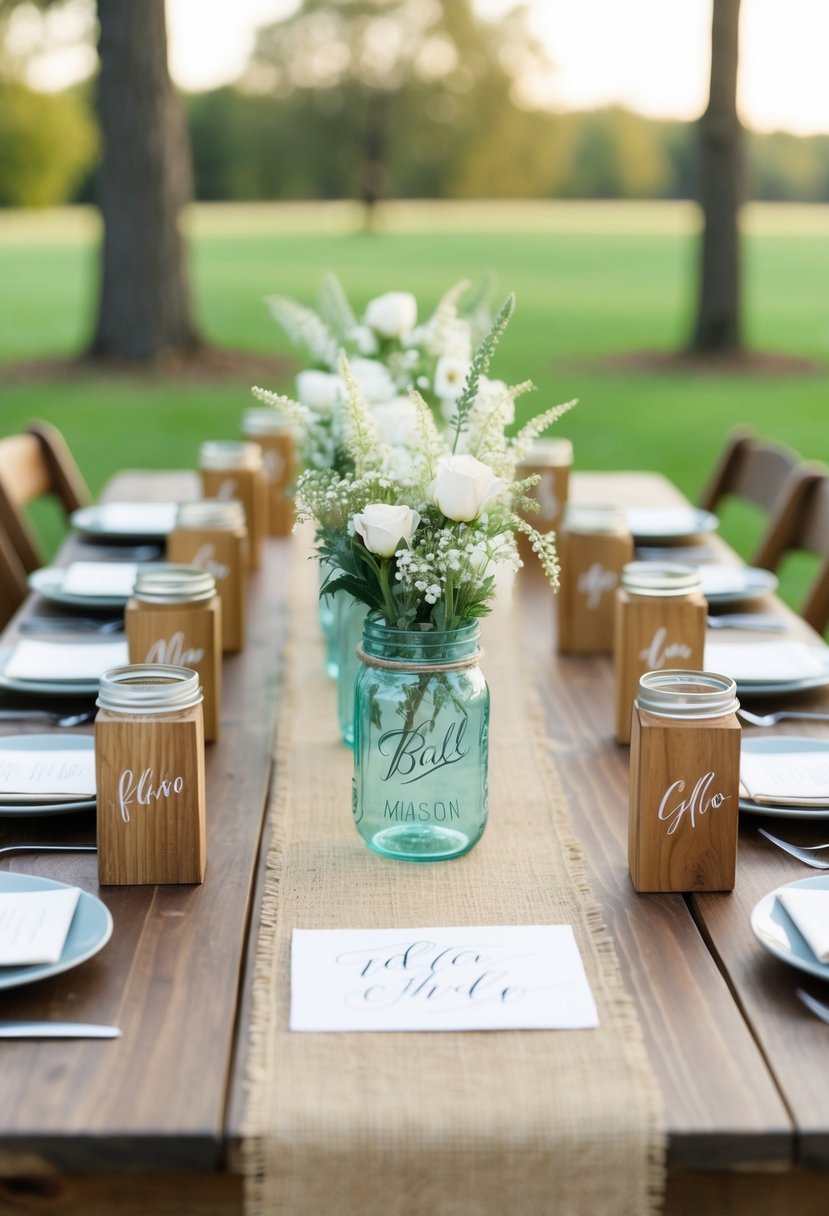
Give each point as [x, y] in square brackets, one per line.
[360, 434]
[304, 327]
[334, 307]
[521, 443]
[292, 411]
[441, 330]
[431, 446]
[484, 437]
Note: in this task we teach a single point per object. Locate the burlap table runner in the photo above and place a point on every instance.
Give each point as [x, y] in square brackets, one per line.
[508, 1123]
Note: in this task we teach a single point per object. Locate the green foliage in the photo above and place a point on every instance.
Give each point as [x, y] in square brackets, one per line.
[48, 142]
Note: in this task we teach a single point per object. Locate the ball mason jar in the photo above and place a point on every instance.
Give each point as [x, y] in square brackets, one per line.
[350, 617]
[421, 729]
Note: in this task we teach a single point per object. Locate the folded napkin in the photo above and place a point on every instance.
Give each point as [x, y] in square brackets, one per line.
[56, 662]
[139, 518]
[794, 777]
[809, 909]
[47, 776]
[34, 924]
[767, 661]
[723, 580]
[661, 521]
[100, 578]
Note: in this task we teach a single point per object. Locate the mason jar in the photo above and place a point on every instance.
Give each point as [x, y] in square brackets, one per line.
[175, 617]
[210, 534]
[684, 782]
[661, 618]
[233, 469]
[276, 439]
[350, 616]
[149, 768]
[421, 728]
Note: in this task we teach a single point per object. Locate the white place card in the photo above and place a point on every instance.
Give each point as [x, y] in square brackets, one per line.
[810, 912]
[767, 661]
[34, 924]
[53, 662]
[58, 773]
[722, 580]
[505, 977]
[100, 578]
[662, 521]
[790, 778]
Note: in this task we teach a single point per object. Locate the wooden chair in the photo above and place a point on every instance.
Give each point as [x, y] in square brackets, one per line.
[12, 581]
[771, 477]
[34, 464]
[809, 533]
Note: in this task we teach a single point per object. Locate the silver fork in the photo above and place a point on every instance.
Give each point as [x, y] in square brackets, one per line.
[817, 1007]
[47, 848]
[801, 852]
[773, 719]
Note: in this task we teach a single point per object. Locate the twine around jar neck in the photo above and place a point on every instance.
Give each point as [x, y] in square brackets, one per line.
[370, 660]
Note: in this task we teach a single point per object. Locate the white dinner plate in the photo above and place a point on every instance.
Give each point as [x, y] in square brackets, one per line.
[774, 929]
[126, 520]
[89, 932]
[778, 657]
[730, 584]
[44, 688]
[29, 804]
[669, 523]
[783, 688]
[765, 745]
[48, 582]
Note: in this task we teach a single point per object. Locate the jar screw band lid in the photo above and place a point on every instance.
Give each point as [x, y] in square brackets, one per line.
[680, 693]
[169, 583]
[660, 578]
[146, 688]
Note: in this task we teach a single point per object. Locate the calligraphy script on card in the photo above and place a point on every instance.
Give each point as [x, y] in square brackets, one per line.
[468, 978]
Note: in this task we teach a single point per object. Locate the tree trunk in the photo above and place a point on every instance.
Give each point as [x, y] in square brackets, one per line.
[144, 306]
[374, 152]
[718, 328]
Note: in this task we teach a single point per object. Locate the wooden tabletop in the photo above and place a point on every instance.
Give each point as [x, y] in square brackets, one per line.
[742, 1065]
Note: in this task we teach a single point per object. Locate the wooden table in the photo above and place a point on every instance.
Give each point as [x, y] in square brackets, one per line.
[152, 1121]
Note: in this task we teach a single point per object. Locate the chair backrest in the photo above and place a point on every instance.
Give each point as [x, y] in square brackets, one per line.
[33, 464]
[809, 532]
[12, 581]
[773, 478]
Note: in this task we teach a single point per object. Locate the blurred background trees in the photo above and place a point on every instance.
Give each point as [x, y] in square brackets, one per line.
[318, 114]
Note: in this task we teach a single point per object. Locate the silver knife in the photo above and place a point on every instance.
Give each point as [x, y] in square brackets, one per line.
[57, 1030]
[748, 620]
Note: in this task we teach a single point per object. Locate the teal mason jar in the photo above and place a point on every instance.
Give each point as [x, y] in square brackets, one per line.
[350, 615]
[328, 620]
[421, 742]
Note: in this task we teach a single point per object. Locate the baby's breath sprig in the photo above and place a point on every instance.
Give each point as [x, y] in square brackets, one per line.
[481, 360]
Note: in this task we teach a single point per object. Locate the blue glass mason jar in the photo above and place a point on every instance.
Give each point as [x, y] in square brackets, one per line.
[350, 615]
[421, 742]
[328, 621]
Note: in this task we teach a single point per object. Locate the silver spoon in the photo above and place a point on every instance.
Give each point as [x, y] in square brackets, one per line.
[70, 624]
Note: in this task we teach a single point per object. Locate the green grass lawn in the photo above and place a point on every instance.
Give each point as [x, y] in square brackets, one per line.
[590, 280]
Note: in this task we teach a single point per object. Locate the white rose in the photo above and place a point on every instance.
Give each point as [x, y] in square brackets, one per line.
[383, 525]
[320, 391]
[463, 487]
[396, 421]
[450, 377]
[364, 339]
[393, 314]
[373, 378]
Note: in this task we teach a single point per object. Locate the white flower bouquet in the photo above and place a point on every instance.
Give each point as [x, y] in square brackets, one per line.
[412, 519]
[388, 350]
